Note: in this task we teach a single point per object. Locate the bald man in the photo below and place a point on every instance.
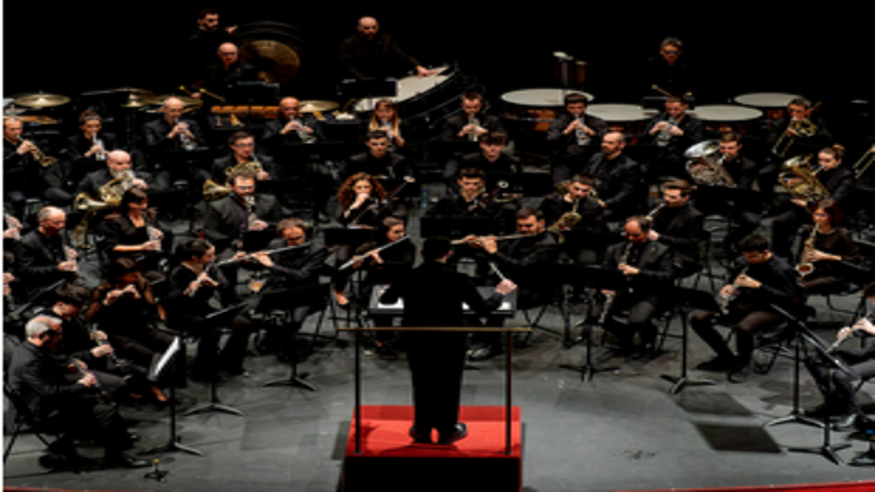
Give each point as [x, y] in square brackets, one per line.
[223, 76]
[43, 258]
[23, 176]
[117, 163]
[370, 54]
[290, 126]
[166, 149]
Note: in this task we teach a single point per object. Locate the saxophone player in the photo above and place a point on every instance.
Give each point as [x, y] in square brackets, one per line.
[242, 145]
[827, 245]
[575, 136]
[760, 280]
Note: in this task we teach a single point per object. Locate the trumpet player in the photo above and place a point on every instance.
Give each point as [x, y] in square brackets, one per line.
[292, 127]
[839, 182]
[670, 133]
[43, 256]
[760, 279]
[473, 122]
[825, 247]
[88, 148]
[840, 404]
[242, 145]
[680, 226]
[24, 176]
[575, 137]
[164, 134]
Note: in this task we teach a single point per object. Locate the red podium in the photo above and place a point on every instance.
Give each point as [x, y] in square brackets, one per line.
[381, 456]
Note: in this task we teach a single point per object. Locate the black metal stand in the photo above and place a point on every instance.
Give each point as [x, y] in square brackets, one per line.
[679, 382]
[294, 380]
[214, 405]
[795, 415]
[588, 370]
[827, 450]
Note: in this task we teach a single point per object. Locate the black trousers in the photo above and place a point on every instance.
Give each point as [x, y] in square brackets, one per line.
[836, 386]
[436, 362]
[745, 323]
[84, 417]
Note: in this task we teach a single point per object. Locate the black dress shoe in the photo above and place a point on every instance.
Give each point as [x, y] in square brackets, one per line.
[125, 461]
[739, 374]
[420, 437]
[845, 423]
[717, 364]
[865, 459]
[459, 432]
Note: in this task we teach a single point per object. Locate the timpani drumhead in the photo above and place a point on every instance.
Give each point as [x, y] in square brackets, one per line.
[766, 99]
[619, 113]
[541, 98]
[726, 113]
[409, 88]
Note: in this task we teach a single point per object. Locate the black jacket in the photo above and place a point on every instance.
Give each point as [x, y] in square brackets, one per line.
[272, 138]
[380, 58]
[222, 165]
[41, 382]
[655, 261]
[38, 258]
[454, 124]
[223, 221]
[156, 131]
[683, 230]
[566, 146]
[619, 183]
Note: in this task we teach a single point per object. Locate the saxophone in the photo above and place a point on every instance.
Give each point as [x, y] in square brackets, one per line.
[609, 297]
[805, 267]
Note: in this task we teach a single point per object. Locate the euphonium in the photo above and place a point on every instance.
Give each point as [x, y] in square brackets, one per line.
[704, 168]
[801, 181]
[803, 128]
[805, 267]
[110, 197]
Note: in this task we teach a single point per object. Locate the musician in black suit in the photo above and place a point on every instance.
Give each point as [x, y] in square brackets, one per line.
[63, 403]
[761, 279]
[378, 161]
[242, 146]
[288, 128]
[589, 233]
[223, 76]
[230, 217]
[433, 296]
[670, 134]
[87, 150]
[793, 142]
[118, 162]
[296, 270]
[491, 159]
[668, 70]
[618, 180]
[524, 261]
[839, 182]
[473, 122]
[164, 136]
[22, 173]
[648, 268]
[43, 256]
[575, 136]
[201, 46]
[370, 54]
[680, 226]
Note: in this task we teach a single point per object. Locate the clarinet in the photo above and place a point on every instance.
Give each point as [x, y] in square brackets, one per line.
[99, 387]
[609, 297]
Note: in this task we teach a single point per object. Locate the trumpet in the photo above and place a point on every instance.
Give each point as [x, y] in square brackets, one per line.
[664, 135]
[39, 156]
[302, 134]
[474, 136]
[580, 132]
[101, 154]
[187, 142]
[864, 163]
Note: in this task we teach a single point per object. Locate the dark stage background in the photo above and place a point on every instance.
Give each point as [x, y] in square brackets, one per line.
[820, 49]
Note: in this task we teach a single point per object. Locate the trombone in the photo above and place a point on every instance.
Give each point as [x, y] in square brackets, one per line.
[864, 163]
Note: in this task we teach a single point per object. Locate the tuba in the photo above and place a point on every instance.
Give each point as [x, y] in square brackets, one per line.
[803, 127]
[704, 166]
[801, 181]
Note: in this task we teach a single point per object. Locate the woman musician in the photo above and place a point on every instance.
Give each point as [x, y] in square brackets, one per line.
[198, 288]
[134, 233]
[826, 244]
[385, 119]
[383, 267]
[839, 395]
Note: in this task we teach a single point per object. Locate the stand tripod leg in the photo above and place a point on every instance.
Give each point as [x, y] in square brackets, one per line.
[294, 381]
[795, 415]
[588, 370]
[214, 405]
[679, 382]
[173, 444]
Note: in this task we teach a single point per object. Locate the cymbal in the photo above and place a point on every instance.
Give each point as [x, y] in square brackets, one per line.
[134, 90]
[274, 60]
[137, 100]
[42, 100]
[315, 105]
[39, 120]
[159, 100]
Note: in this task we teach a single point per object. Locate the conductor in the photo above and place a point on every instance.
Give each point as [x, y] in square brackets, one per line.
[433, 296]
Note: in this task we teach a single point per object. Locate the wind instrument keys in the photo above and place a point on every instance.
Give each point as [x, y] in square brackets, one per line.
[100, 153]
[664, 135]
[583, 138]
[188, 142]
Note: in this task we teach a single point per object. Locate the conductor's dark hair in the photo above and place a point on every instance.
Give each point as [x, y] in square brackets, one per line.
[435, 247]
[753, 243]
[69, 293]
[576, 98]
[526, 212]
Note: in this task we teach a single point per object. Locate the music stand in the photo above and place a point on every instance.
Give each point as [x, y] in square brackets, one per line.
[220, 317]
[827, 450]
[283, 300]
[679, 382]
[597, 277]
[159, 363]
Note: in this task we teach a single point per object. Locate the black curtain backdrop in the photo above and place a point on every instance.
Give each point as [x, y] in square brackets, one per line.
[823, 50]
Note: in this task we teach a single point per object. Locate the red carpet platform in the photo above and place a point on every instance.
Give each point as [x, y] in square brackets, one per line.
[863, 486]
[389, 460]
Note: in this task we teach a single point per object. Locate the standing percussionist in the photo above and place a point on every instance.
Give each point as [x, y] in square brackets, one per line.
[369, 54]
[433, 296]
[668, 72]
[575, 137]
[760, 280]
[680, 226]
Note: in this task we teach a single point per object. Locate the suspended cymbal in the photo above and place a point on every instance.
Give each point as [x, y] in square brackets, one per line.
[312, 106]
[275, 61]
[137, 100]
[42, 100]
[134, 90]
[39, 120]
[159, 100]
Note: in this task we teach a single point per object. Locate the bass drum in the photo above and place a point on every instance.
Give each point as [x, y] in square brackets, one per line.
[275, 49]
[424, 103]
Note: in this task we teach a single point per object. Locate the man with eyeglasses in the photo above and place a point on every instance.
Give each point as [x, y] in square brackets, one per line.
[647, 266]
[668, 70]
[242, 146]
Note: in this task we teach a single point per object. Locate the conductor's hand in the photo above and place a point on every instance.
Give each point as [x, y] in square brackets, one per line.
[505, 287]
[263, 258]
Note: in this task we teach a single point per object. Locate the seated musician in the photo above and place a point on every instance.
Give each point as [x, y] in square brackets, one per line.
[491, 159]
[229, 218]
[117, 376]
[524, 261]
[118, 165]
[473, 122]
[648, 267]
[87, 149]
[292, 127]
[575, 137]
[680, 226]
[838, 388]
[371, 54]
[171, 134]
[378, 161]
[223, 76]
[134, 232]
[242, 146]
[670, 134]
[125, 309]
[64, 405]
[799, 112]
[296, 270]
[668, 70]
[385, 118]
[760, 280]
[839, 182]
[43, 256]
[619, 181]
[382, 268]
[197, 289]
[743, 172]
[825, 246]
[574, 201]
[23, 175]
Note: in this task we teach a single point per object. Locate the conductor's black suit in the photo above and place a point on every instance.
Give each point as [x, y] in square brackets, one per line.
[433, 296]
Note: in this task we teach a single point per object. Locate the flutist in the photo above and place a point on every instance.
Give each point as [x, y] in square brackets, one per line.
[839, 395]
[760, 279]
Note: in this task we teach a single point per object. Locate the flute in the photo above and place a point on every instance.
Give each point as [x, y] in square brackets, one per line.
[360, 257]
[270, 252]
